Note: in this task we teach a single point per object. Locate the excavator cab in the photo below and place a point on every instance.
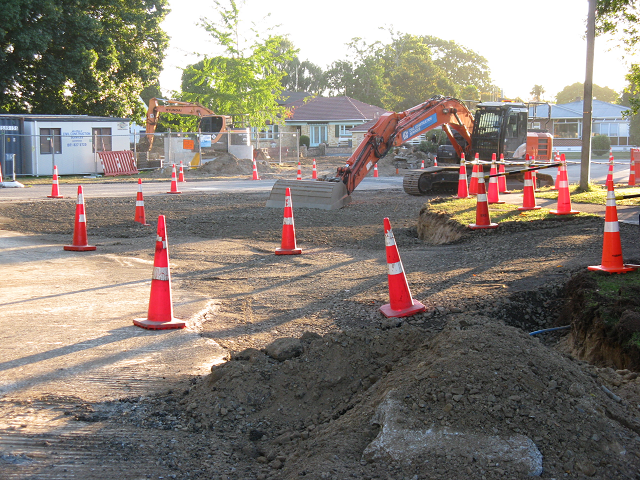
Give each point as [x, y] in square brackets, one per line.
[499, 128]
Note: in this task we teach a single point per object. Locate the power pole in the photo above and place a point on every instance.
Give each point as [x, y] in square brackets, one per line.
[585, 159]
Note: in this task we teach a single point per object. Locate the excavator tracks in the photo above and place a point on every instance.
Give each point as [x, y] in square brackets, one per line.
[422, 182]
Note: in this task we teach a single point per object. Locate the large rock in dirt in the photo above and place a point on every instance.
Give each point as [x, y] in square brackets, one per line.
[398, 441]
[284, 348]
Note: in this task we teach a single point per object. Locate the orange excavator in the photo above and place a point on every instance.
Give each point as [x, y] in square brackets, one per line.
[210, 123]
[499, 128]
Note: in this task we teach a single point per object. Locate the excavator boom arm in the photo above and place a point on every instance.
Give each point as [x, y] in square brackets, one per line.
[394, 129]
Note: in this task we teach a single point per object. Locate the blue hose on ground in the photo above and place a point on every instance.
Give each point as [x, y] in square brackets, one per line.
[550, 330]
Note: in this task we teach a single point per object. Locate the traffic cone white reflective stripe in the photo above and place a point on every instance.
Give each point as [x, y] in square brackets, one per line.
[55, 188]
[463, 190]
[314, 171]
[80, 242]
[174, 181]
[483, 220]
[401, 304]
[181, 175]
[611, 246]
[139, 214]
[160, 311]
[288, 245]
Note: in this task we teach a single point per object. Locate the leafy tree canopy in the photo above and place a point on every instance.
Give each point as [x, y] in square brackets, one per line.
[247, 79]
[79, 56]
[622, 17]
[407, 71]
[536, 92]
[576, 91]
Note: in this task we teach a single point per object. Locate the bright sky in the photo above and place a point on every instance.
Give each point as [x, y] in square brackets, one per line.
[525, 44]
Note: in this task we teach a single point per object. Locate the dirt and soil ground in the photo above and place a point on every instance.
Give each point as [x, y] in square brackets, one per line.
[318, 384]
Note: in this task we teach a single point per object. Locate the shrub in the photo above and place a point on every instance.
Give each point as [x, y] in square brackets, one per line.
[600, 145]
[305, 140]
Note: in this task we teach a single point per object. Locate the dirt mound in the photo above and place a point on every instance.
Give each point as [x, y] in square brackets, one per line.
[479, 398]
[229, 164]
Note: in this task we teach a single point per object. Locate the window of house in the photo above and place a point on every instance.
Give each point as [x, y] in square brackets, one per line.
[317, 134]
[618, 133]
[343, 130]
[101, 141]
[270, 132]
[50, 137]
[566, 129]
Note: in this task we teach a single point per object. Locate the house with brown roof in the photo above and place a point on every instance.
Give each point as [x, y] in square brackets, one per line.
[329, 120]
[325, 120]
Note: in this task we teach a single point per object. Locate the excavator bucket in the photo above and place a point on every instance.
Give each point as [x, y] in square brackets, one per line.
[310, 194]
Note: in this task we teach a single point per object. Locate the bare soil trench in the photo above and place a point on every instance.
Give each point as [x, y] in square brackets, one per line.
[318, 384]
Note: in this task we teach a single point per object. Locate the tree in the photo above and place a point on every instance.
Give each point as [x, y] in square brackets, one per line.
[463, 66]
[300, 76]
[79, 56]
[536, 92]
[247, 80]
[575, 91]
[621, 17]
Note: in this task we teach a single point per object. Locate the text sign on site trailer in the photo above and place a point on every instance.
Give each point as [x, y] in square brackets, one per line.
[419, 127]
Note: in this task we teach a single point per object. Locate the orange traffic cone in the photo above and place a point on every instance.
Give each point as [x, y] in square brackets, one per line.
[255, 171]
[634, 168]
[611, 247]
[564, 196]
[559, 159]
[140, 216]
[610, 172]
[299, 177]
[174, 182]
[422, 165]
[463, 190]
[160, 312]
[80, 243]
[401, 304]
[314, 171]
[531, 160]
[502, 179]
[375, 171]
[435, 161]
[529, 196]
[482, 209]
[475, 173]
[181, 175]
[55, 190]
[288, 244]
[493, 196]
